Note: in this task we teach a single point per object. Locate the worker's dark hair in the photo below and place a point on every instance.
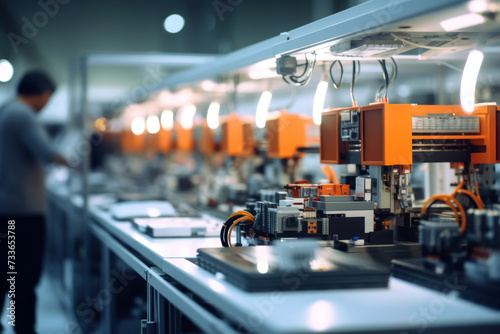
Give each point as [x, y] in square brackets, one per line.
[35, 82]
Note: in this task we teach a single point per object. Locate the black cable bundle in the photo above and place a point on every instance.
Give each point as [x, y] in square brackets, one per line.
[305, 77]
[385, 74]
[334, 82]
[235, 218]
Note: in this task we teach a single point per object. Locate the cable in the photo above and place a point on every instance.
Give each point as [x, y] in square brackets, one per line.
[394, 71]
[330, 174]
[236, 222]
[355, 75]
[308, 70]
[423, 46]
[335, 84]
[386, 80]
[460, 186]
[385, 74]
[228, 226]
[454, 204]
[241, 212]
[477, 192]
[477, 200]
[446, 199]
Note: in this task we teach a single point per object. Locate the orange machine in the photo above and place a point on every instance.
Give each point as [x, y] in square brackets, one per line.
[132, 143]
[332, 150]
[396, 134]
[329, 189]
[184, 139]
[161, 141]
[386, 134]
[287, 132]
[237, 136]
[206, 140]
[483, 142]
[303, 190]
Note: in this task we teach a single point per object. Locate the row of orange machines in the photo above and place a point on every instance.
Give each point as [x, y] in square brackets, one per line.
[235, 138]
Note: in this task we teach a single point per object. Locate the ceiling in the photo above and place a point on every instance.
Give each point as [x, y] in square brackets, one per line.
[50, 35]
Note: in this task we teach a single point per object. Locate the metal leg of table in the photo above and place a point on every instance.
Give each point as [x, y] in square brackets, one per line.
[107, 314]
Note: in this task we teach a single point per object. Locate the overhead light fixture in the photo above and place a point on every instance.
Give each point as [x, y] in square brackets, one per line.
[208, 85]
[167, 119]
[6, 70]
[173, 23]
[188, 116]
[462, 21]
[319, 99]
[478, 6]
[469, 79]
[262, 109]
[213, 115]
[153, 124]
[138, 126]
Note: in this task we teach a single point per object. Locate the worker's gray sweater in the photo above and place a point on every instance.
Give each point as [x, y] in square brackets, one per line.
[24, 148]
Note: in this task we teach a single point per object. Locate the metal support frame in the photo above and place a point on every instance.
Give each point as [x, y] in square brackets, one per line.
[200, 316]
[163, 297]
[369, 18]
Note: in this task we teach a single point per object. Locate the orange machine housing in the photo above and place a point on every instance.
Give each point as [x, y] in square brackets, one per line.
[285, 134]
[206, 142]
[236, 137]
[387, 138]
[161, 141]
[131, 143]
[332, 150]
[326, 189]
[485, 143]
[184, 139]
[330, 189]
[386, 134]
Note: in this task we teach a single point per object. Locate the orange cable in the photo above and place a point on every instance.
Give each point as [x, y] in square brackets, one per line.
[233, 225]
[330, 174]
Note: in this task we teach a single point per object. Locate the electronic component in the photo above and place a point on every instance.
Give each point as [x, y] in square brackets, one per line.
[379, 46]
[286, 65]
[440, 238]
[469, 257]
[350, 125]
[316, 190]
[445, 123]
[364, 188]
[262, 268]
[142, 209]
[177, 227]
[304, 211]
[347, 218]
[302, 190]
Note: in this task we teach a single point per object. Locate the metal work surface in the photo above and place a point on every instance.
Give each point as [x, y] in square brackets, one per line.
[403, 306]
[153, 249]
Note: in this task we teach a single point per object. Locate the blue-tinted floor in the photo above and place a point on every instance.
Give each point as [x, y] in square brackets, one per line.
[51, 318]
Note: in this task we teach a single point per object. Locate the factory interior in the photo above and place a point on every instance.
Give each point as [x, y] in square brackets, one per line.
[250, 166]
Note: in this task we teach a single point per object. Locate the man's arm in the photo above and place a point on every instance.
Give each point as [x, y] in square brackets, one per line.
[34, 137]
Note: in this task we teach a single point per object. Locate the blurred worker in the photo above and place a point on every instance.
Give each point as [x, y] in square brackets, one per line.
[24, 149]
